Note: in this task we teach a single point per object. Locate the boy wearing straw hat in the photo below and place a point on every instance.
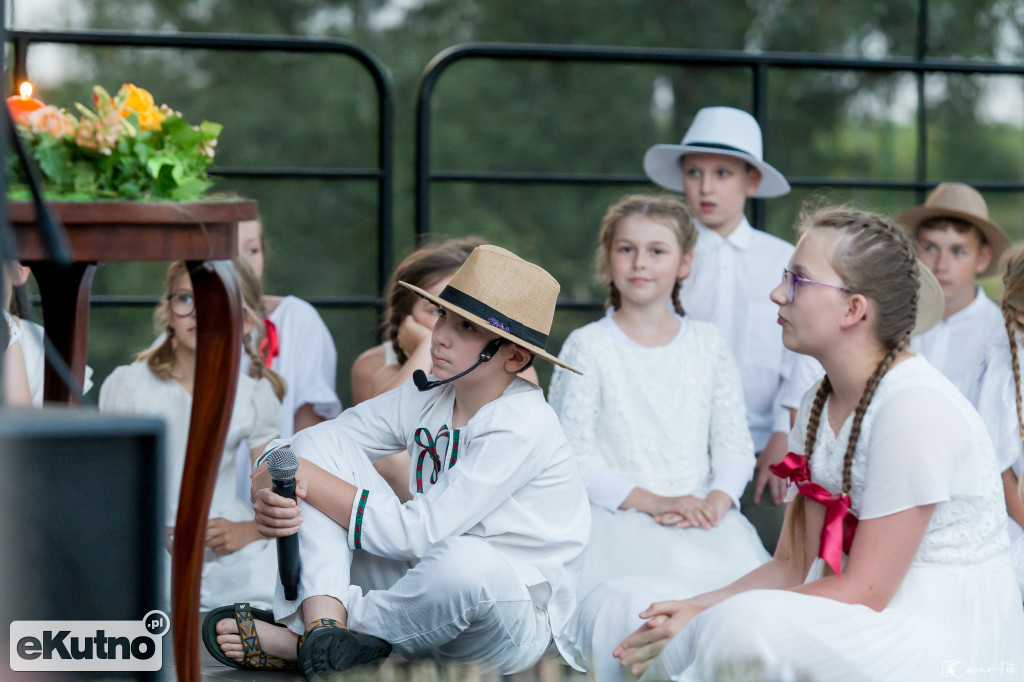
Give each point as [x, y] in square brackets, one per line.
[958, 243]
[480, 566]
[717, 166]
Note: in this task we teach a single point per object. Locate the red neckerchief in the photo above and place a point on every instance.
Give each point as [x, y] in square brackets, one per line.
[840, 524]
[270, 346]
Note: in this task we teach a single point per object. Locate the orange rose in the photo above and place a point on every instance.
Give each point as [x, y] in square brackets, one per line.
[50, 119]
[135, 100]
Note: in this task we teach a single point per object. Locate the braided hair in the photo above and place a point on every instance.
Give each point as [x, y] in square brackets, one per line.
[1011, 304]
[663, 208]
[875, 258]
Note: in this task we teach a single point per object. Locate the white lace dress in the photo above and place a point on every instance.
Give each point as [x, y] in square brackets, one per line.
[995, 396]
[669, 419]
[958, 611]
[250, 574]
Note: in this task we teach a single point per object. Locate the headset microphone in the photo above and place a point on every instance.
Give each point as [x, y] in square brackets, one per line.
[419, 377]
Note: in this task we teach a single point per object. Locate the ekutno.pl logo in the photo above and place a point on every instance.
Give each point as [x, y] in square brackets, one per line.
[96, 645]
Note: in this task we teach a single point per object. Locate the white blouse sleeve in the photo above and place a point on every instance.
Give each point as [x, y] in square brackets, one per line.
[314, 379]
[576, 400]
[805, 374]
[267, 419]
[732, 450]
[995, 395]
[118, 392]
[920, 452]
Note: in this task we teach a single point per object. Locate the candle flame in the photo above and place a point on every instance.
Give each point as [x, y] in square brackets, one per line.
[26, 89]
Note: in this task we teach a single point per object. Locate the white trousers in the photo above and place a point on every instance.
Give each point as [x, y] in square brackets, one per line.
[462, 601]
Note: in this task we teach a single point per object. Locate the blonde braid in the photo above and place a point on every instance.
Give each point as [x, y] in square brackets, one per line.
[1009, 318]
[614, 297]
[258, 370]
[675, 298]
[797, 530]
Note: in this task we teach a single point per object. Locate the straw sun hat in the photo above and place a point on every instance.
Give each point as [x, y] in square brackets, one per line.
[501, 292]
[715, 130]
[930, 300]
[961, 202]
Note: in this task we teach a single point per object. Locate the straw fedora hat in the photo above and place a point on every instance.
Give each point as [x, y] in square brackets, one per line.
[962, 202]
[500, 291]
[715, 130]
[930, 301]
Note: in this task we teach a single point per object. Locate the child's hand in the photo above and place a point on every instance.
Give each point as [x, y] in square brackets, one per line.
[278, 516]
[687, 511]
[665, 620]
[227, 537]
[720, 502]
[411, 334]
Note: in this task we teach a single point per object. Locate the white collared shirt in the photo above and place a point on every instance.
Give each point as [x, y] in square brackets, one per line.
[508, 476]
[956, 345]
[729, 285]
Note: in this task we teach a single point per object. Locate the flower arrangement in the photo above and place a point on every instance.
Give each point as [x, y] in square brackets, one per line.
[125, 148]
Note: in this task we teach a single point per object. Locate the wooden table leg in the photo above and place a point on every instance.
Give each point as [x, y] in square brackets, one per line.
[218, 342]
[65, 294]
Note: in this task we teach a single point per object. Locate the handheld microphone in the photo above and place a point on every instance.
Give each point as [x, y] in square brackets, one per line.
[419, 377]
[282, 464]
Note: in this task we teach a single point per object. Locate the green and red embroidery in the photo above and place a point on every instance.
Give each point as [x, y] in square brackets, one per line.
[357, 539]
[428, 448]
[455, 449]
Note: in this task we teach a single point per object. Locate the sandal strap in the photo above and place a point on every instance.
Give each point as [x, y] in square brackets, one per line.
[253, 653]
[314, 625]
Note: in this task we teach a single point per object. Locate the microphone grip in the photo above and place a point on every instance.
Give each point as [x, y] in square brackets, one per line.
[288, 566]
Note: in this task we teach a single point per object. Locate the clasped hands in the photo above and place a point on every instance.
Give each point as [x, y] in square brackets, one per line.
[689, 511]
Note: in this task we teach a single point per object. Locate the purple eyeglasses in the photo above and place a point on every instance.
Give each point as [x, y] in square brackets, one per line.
[791, 279]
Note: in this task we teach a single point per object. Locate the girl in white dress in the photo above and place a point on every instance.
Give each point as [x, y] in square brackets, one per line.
[893, 563]
[238, 563]
[657, 419]
[998, 397]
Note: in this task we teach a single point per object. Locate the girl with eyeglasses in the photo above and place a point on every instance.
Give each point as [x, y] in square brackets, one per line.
[893, 563]
[238, 564]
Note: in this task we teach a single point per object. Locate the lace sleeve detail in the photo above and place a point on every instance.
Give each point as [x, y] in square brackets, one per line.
[13, 330]
[576, 400]
[731, 445]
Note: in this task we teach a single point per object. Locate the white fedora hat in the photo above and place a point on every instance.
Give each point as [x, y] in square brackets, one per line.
[715, 130]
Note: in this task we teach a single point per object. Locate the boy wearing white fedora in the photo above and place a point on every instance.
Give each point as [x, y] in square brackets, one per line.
[480, 566]
[958, 243]
[717, 166]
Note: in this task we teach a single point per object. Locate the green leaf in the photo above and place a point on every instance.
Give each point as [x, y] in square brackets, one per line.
[210, 130]
[84, 176]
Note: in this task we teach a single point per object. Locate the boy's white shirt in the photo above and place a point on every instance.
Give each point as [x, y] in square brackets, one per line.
[956, 346]
[514, 483]
[729, 285]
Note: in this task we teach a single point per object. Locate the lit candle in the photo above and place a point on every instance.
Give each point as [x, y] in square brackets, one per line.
[23, 105]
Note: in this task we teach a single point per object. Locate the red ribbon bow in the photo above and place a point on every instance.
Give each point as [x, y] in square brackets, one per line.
[270, 346]
[840, 524]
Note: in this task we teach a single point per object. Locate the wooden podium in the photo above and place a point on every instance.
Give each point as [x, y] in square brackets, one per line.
[205, 235]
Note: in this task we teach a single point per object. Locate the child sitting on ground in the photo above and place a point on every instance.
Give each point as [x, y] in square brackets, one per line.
[481, 565]
[657, 419]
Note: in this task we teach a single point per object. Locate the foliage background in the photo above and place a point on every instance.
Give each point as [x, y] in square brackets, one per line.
[291, 111]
